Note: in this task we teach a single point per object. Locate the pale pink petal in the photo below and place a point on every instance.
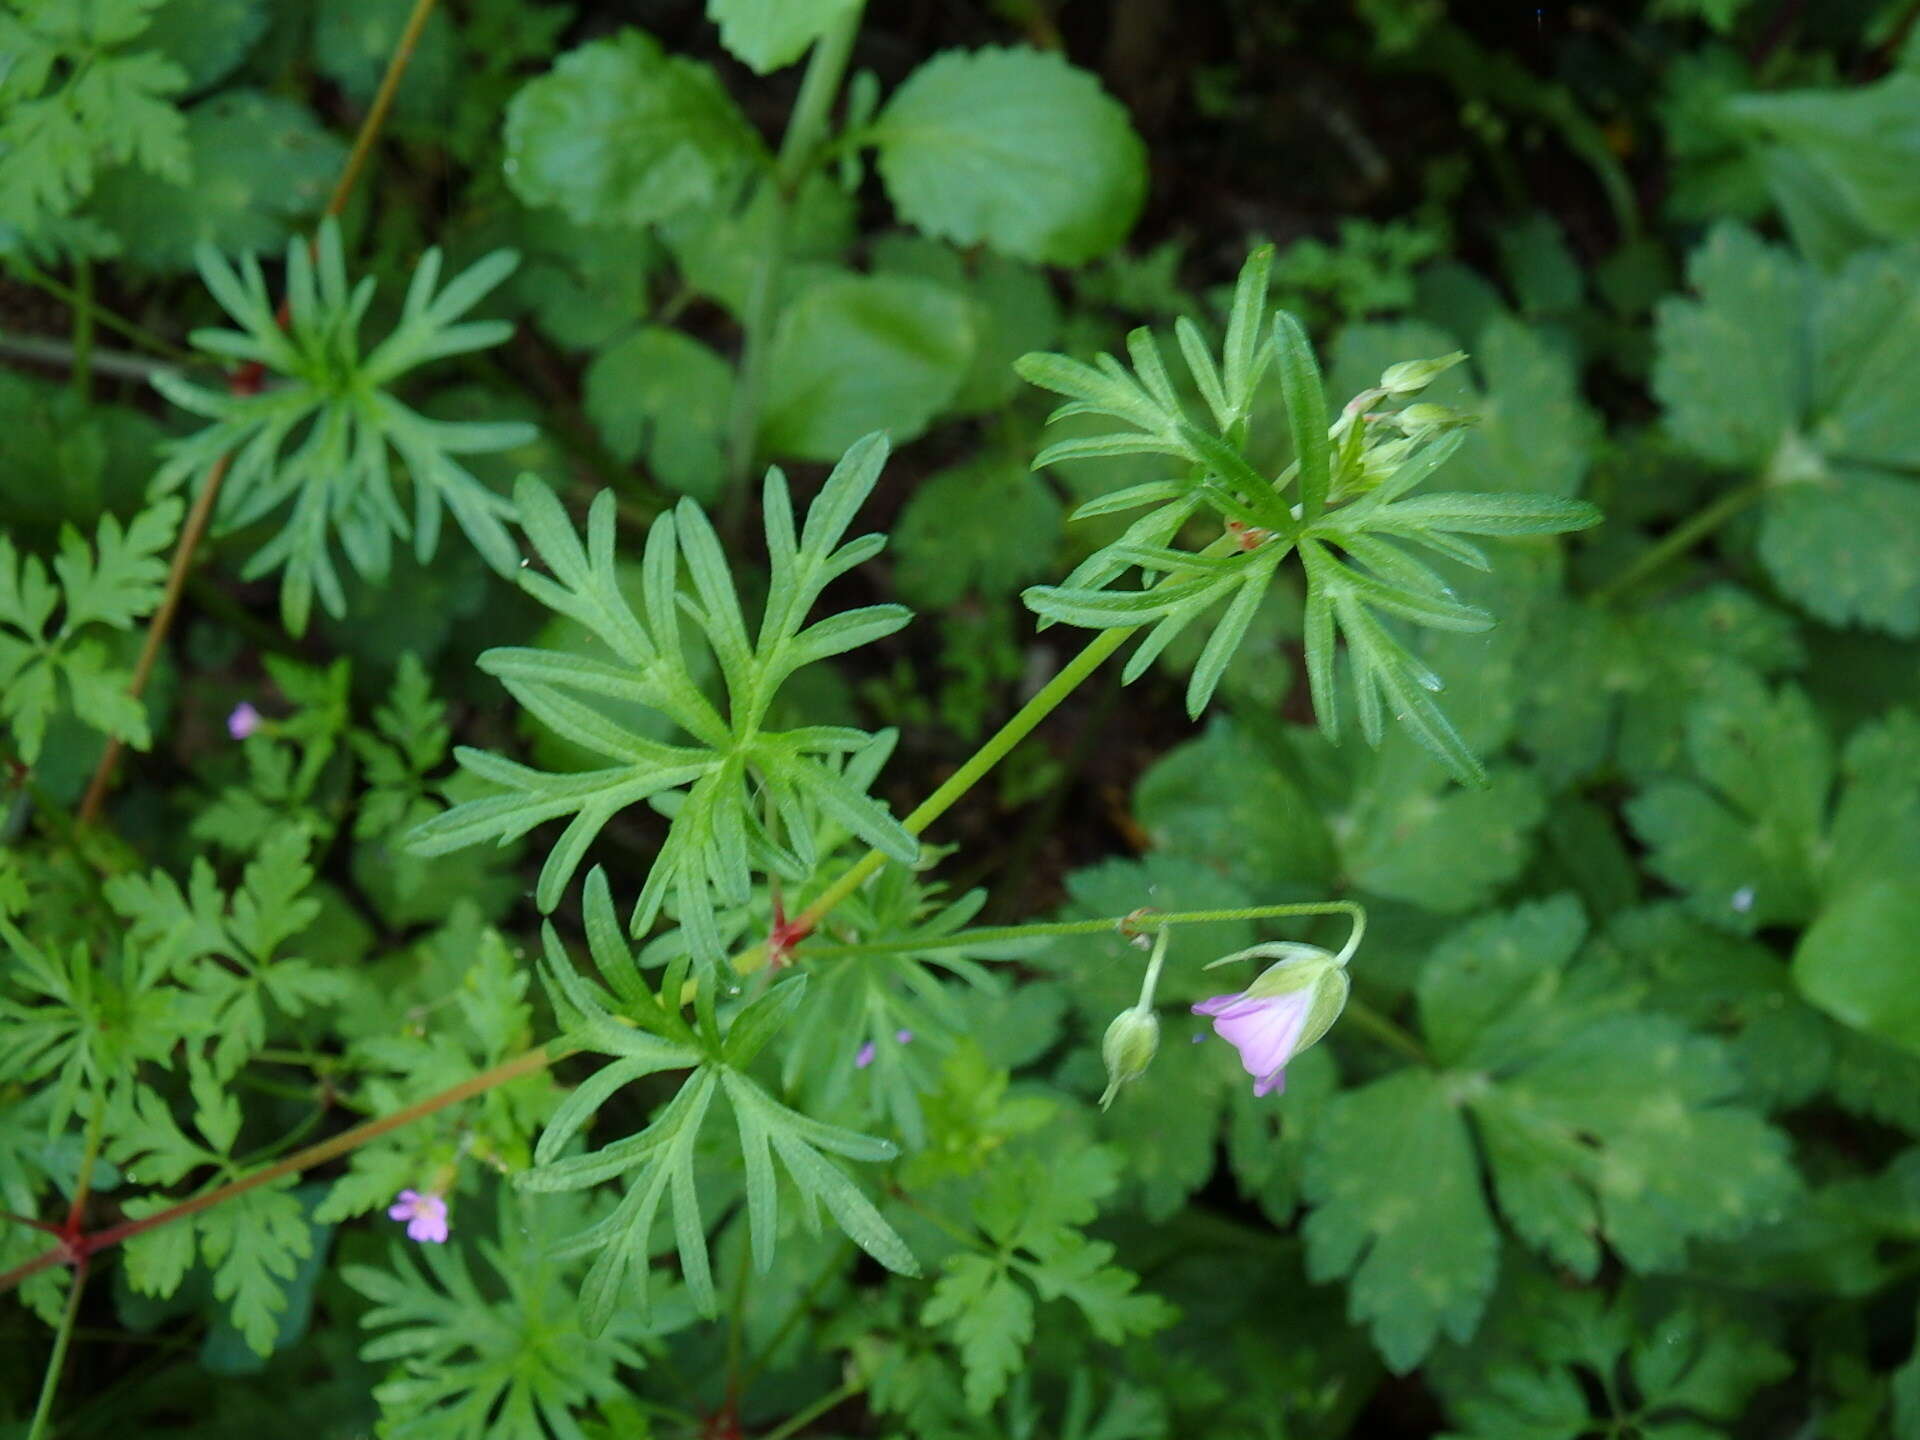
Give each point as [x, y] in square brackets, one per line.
[1221, 1004]
[1263, 1029]
[404, 1206]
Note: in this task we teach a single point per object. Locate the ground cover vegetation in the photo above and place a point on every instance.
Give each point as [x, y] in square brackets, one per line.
[1024, 719]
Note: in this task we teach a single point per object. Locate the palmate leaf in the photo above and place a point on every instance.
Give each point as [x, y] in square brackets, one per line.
[114, 584]
[645, 1036]
[321, 443]
[735, 774]
[1355, 477]
[79, 91]
[1594, 1123]
[479, 1355]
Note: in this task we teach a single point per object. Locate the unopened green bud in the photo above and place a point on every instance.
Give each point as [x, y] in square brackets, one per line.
[1128, 1049]
[1425, 416]
[1411, 376]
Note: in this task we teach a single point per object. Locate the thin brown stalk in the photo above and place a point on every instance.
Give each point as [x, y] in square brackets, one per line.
[246, 380]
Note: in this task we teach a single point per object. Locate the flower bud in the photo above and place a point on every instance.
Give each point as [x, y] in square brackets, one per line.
[1128, 1049]
[1411, 376]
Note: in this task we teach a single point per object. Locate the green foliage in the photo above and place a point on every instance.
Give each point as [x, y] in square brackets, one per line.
[259, 164]
[1619, 1133]
[768, 34]
[1015, 148]
[506, 1357]
[857, 352]
[1781, 374]
[718, 833]
[620, 132]
[324, 441]
[1353, 478]
[80, 91]
[645, 1037]
[1593, 1125]
[112, 585]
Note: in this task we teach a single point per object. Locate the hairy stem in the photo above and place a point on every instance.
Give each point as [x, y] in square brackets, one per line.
[247, 378]
[799, 148]
[1682, 538]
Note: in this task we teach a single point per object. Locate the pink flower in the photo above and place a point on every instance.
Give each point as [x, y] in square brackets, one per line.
[1288, 1008]
[1266, 1032]
[243, 721]
[905, 1037]
[426, 1216]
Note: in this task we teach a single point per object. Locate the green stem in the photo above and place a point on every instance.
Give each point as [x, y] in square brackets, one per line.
[1386, 1031]
[799, 149]
[83, 329]
[57, 1362]
[1140, 922]
[814, 1411]
[1154, 964]
[836, 1260]
[33, 275]
[1682, 538]
[1018, 727]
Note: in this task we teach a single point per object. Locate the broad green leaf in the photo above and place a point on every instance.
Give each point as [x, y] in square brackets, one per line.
[992, 1320]
[768, 34]
[1782, 374]
[1013, 307]
[665, 395]
[1399, 1213]
[1860, 961]
[1015, 148]
[621, 133]
[1600, 1127]
[859, 353]
[261, 165]
[1859, 140]
[206, 38]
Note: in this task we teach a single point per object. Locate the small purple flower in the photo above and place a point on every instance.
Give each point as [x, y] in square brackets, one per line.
[243, 721]
[905, 1037]
[1266, 1031]
[1286, 1009]
[426, 1216]
[865, 1056]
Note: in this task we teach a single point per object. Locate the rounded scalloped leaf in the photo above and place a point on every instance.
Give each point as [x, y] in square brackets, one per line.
[1015, 148]
[769, 34]
[858, 353]
[260, 163]
[621, 133]
[1860, 960]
